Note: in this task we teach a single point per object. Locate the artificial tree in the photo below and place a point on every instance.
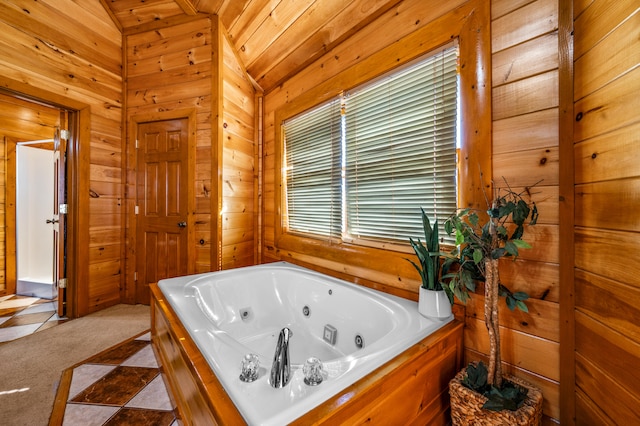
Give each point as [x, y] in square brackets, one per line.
[482, 239]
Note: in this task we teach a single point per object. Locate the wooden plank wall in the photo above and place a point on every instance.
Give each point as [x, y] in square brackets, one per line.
[384, 268]
[189, 63]
[607, 194]
[239, 163]
[79, 59]
[20, 120]
[169, 68]
[524, 48]
[525, 103]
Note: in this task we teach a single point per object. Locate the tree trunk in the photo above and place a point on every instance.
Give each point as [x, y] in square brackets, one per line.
[491, 292]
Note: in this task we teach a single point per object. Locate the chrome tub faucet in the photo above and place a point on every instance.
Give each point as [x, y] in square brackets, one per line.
[281, 368]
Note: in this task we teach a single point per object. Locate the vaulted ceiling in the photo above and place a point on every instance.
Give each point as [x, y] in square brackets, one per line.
[274, 38]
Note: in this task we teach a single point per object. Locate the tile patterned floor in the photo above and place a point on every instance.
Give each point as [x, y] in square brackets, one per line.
[121, 386]
[22, 315]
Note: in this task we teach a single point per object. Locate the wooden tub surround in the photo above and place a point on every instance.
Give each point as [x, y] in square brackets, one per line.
[410, 389]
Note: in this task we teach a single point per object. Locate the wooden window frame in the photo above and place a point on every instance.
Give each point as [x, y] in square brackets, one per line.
[336, 214]
[470, 25]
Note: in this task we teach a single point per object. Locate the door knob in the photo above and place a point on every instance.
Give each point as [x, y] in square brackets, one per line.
[182, 224]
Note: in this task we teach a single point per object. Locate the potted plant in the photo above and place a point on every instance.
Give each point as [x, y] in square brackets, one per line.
[433, 301]
[482, 239]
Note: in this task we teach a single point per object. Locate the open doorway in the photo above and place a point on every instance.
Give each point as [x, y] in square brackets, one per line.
[34, 180]
[34, 219]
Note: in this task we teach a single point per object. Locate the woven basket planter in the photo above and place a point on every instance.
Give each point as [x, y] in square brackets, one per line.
[466, 406]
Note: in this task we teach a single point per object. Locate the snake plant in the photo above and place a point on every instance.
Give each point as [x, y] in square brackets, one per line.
[429, 256]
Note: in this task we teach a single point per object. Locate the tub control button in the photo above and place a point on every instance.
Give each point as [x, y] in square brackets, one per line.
[330, 334]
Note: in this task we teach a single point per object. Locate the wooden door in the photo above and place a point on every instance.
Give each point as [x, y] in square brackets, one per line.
[59, 214]
[162, 203]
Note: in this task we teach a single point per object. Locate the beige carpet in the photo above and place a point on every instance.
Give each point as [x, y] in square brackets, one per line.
[31, 367]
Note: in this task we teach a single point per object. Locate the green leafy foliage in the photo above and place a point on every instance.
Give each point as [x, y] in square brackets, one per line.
[508, 397]
[475, 242]
[514, 300]
[430, 267]
[476, 378]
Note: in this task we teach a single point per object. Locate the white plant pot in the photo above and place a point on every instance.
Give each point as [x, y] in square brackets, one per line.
[434, 304]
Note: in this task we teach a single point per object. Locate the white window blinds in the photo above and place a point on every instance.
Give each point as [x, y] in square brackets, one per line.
[401, 150]
[312, 163]
[360, 167]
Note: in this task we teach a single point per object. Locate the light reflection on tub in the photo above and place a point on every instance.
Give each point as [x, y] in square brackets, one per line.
[235, 312]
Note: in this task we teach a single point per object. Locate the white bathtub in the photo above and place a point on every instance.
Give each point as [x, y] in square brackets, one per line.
[229, 314]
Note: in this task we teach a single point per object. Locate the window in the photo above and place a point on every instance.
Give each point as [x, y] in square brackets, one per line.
[359, 167]
[312, 162]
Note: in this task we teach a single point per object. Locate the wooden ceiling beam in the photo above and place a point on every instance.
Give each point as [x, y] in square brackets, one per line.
[187, 7]
[111, 14]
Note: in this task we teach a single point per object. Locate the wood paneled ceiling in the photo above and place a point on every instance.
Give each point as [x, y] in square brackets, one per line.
[274, 38]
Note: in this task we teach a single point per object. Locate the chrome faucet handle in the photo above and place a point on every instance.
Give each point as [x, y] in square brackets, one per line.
[281, 368]
[250, 368]
[312, 371]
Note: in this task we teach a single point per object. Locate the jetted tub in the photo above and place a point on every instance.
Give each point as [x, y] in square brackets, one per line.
[352, 329]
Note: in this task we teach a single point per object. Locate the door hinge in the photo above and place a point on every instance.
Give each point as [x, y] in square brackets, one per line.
[62, 283]
[136, 143]
[135, 276]
[65, 134]
[135, 210]
[63, 208]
